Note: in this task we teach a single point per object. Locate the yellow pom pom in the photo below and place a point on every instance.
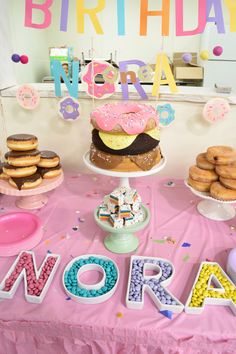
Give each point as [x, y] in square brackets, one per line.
[204, 55]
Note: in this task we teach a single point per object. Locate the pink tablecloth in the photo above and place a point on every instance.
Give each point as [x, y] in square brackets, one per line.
[60, 325]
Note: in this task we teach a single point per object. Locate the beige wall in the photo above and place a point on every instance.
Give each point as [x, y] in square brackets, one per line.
[180, 143]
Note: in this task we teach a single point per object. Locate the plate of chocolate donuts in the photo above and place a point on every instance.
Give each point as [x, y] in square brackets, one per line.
[27, 171]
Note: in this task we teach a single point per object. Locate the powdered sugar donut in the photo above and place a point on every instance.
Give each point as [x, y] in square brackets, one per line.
[125, 117]
[216, 110]
[27, 97]
[91, 70]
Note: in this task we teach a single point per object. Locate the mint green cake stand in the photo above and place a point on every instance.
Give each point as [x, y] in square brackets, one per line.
[122, 240]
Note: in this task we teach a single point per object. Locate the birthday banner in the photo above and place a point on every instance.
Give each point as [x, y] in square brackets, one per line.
[209, 11]
[205, 9]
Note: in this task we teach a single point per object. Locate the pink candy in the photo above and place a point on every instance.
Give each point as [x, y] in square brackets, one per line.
[34, 285]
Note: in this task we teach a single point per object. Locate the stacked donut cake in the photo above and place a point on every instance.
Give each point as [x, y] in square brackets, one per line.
[24, 163]
[215, 172]
[125, 137]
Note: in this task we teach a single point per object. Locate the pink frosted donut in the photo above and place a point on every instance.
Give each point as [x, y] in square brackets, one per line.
[100, 91]
[216, 110]
[130, 118]
[27, 97]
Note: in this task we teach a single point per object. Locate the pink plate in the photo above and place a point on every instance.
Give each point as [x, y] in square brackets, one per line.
[19, 231]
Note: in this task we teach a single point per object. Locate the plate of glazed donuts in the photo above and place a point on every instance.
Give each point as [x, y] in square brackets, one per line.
[214, 175]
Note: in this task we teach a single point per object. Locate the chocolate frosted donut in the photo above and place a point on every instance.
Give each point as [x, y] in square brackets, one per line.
[22, 171]
[51, 172]
[142, 143]
[23, 158]
[22, 142]
[48, 159]
[26, 182]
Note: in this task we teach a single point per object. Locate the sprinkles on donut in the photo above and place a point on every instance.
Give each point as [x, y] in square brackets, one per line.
[125, 137]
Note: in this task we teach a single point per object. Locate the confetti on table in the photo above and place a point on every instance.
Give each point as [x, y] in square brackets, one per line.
[68, 236]
[48, 251]
[159, 241]
[169, 184]
[77, 211]
[208, 260]
[119, 314]
[167, 314]
[232, 227]
[62, 237]
[95, 178]
[186, 244]
[170, 240]
[2, 210]
[81, 219]
[47, 242]
[75, 228]
[186, 258]
[93, 194]
[68, 298]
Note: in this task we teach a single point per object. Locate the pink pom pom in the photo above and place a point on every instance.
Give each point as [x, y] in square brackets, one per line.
[24, 59]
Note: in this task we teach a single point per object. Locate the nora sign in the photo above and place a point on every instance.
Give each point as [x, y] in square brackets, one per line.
[211, 286]
[207, 11]
[110, 76]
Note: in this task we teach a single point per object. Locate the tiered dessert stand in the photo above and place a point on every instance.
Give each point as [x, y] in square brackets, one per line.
[122, 240]
[34, 198]
[212, 208]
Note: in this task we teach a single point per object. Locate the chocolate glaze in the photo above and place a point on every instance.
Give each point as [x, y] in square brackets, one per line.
[19, 181]
[43, 170]
[143, 143]
[21, 153]
[22, 137]
[104, 160]
[48, 154]
[10, 167]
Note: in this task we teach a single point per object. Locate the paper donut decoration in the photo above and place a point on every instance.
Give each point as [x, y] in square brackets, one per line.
[27, 97]
[103, 90]
[216, 110]
[68, 109]
[166, 115]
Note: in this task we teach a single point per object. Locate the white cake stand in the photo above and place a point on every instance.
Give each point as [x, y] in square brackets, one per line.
[212, 208]
[31, 198]
[123, 240]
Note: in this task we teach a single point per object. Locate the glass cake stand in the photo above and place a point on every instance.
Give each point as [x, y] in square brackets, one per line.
[123, 240]
[34, 198]
[212, 208]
